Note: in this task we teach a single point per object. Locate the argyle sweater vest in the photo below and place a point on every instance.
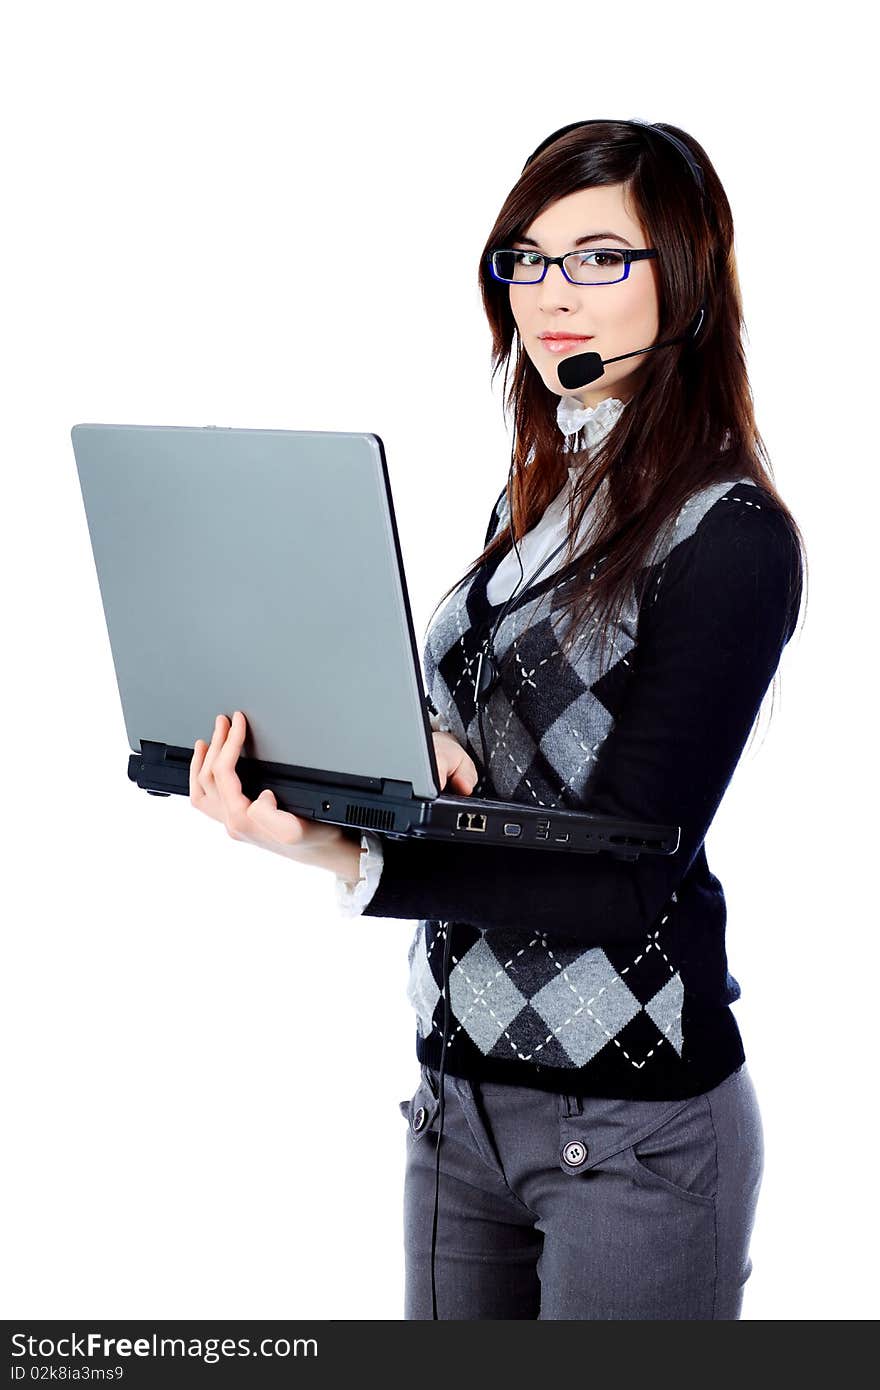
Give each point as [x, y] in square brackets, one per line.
[588, 974]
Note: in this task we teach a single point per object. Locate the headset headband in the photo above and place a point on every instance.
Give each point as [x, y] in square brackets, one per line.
[682, 148]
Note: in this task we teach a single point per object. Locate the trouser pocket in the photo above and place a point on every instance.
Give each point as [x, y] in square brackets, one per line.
[663, 1146]
[421, 1108]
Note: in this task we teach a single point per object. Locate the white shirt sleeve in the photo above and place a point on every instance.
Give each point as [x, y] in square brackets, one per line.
[438, 724]
[352, 901]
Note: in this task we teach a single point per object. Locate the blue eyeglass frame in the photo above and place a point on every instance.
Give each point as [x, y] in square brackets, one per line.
[628, 257]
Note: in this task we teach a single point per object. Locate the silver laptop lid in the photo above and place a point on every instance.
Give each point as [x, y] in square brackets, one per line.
[257, 570]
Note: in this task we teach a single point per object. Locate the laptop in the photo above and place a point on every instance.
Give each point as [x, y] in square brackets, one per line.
[261, 570]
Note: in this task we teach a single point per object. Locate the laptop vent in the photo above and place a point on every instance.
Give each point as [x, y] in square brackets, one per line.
[370, 816]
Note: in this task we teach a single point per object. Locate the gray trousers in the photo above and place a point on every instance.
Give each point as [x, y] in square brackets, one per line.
[556, 1206]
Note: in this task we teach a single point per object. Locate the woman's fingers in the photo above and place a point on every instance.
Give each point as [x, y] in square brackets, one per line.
[463, 770]
[233, 800]
[202, 766]
[466, 778]
[200, 787]
[195, 767]
[282, 826]
[454, 764]
[209, 795]
[215, 790]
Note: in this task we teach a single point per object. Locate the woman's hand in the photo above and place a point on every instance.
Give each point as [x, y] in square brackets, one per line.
[454, 764]
[215, 789]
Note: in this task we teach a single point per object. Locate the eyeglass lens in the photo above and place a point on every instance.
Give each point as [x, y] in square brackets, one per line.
[583, 267]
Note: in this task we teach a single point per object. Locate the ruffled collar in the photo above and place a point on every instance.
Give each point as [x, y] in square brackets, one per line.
[594, 420]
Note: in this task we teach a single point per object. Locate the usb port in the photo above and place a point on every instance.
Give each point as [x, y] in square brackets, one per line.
[563, 837]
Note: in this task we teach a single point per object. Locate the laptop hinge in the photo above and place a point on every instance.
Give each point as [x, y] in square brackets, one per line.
[174, 758]
[400, 790]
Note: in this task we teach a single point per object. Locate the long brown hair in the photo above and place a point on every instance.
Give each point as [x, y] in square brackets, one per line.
[690, 421]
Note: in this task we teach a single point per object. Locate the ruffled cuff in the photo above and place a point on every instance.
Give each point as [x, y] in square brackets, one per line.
[352, 900]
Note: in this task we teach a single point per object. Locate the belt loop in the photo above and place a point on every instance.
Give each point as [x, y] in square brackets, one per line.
[573, 1105]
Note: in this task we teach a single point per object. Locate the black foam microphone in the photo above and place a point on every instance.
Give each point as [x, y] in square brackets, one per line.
[584, 367]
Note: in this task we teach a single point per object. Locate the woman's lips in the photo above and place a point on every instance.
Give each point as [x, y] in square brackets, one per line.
[560, 345]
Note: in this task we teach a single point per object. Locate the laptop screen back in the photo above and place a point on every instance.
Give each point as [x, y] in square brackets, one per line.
[257, 570]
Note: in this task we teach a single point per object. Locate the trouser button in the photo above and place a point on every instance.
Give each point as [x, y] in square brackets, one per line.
[575, 1154]
[419, 1118]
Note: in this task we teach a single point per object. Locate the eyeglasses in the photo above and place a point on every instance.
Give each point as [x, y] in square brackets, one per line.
[598, 266]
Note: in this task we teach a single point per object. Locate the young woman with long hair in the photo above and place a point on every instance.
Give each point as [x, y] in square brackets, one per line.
[609, 650]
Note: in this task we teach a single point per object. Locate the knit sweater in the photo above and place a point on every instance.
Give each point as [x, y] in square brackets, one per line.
[583, 428]
[579, 973]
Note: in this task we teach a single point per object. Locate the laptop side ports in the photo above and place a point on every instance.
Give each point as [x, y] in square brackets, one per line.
[470, 820]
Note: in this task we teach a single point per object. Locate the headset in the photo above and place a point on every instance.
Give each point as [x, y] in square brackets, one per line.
[488, 674]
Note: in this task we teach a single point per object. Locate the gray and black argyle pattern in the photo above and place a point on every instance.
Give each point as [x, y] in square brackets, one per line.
[522, 997]
[567, 973]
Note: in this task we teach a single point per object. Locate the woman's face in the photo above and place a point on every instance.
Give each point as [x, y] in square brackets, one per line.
[617, 318]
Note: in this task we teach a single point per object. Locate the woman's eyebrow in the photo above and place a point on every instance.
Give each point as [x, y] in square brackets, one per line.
[582, 240]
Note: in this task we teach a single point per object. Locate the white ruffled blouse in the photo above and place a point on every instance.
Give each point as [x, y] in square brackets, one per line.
[535, 546]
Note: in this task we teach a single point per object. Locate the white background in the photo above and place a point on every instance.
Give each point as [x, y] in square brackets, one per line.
[202, 1112]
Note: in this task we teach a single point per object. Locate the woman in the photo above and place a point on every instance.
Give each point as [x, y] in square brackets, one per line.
[581, 1071]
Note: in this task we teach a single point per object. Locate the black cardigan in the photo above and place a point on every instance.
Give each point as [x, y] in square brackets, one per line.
[582, 973]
